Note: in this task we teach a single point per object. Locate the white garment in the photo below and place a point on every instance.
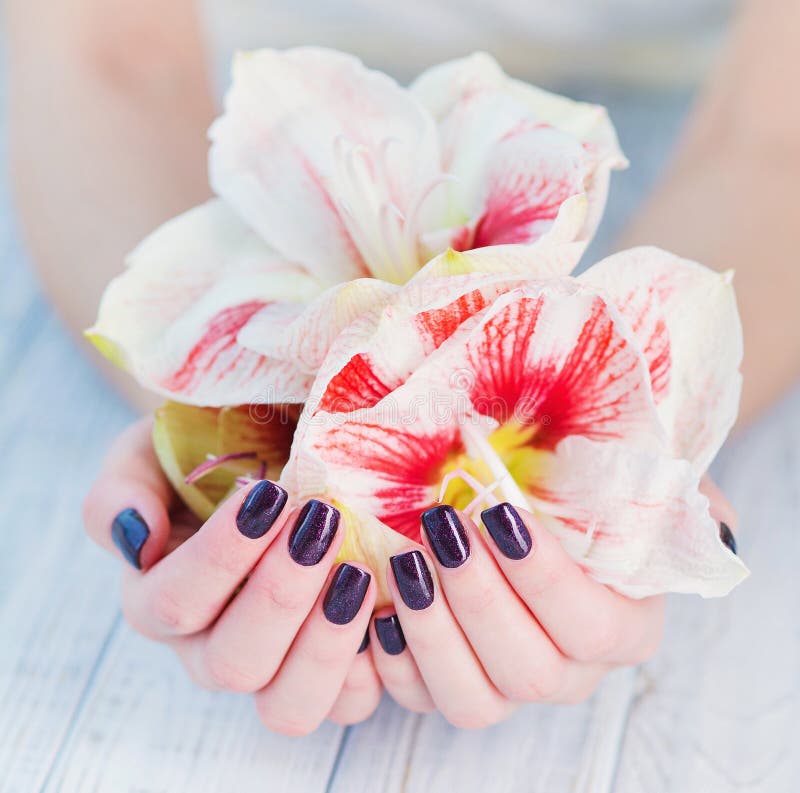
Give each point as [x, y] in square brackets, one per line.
[626, 41]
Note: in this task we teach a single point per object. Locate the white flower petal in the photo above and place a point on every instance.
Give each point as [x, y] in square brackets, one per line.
[172, 318]
[635, 520]
[322, 157]
[304, 334]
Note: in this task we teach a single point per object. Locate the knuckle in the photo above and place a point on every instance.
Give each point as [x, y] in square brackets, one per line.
[319, 654]
[540, 685]
[358, 686]
[278, 594]
[646, 650]
[550, 681]
[134, 619]
[91, 509]
[579, 695]
[480, 601]
[400, 676]
[602, 641]
[218, 553]
[281, 723]
[474, 718]
[171, 616]
[226, 675]
[547, 578]
[355, 706]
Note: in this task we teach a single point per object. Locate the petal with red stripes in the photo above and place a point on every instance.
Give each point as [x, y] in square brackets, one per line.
[174, 315]
[486, 121]
[558, 359]
[687, 323]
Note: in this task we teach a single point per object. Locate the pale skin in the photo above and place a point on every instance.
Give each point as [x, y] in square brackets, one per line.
[124, 132]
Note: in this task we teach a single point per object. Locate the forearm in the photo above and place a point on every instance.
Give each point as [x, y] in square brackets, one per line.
[109, 104]
[730, 197]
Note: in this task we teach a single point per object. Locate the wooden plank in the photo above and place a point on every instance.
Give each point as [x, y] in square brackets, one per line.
[541, 749]
[145, 728]
[56, 603]
[718, 709]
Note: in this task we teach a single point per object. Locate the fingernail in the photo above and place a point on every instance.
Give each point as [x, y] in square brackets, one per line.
[508, 531]
[414, 579]
[390, 634]
[448, 538]
[260, 509]
[726, 535]
[364, 643]
[130, 532]
[345, 594]
[313, 532]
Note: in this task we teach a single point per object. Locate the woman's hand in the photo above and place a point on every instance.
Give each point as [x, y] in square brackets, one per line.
[291, 636]
[495, 619]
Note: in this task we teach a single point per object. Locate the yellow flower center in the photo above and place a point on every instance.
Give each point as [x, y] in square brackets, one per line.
[498, 467]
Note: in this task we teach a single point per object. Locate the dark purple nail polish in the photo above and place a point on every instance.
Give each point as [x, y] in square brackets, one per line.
[448, 538]
[313, 532]
[390, 634]
[260, 509]
[130, 532]
[364, 643]
[508, 531]
[345, 594]
[726, 535]
[414, 579]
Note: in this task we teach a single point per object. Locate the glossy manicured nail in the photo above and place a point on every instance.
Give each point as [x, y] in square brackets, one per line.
[130, 532]
[414, 579]
[448, 538]
[390, 634]
[260, 509]
[506, 528]
[345, 594]
[726, 535]
[364, 643]
[313, 532]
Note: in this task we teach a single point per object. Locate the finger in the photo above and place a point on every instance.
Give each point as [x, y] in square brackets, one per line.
[453, 675]
[361, 692]
[127, 508]
[722, 511]
[586, 620]
[186, 590]
[580, 682]
[249, 641]
[517, 654]
[396, 666]
[309, 682]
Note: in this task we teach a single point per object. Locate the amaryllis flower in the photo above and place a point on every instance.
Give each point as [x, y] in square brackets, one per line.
[596, 402]
[335, 185]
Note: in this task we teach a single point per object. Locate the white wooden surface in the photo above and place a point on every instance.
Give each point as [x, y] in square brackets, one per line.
[85, 705]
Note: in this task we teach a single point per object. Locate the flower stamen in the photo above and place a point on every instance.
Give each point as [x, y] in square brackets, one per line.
[212, 463]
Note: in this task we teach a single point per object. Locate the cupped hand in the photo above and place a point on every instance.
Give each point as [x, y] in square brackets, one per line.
[250, 600]
[483, 621]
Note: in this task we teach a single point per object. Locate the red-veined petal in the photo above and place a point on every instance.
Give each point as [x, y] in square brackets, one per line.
[478, 107]
[556, 357]
[686, 319]
[173, 317]
[529, 173]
